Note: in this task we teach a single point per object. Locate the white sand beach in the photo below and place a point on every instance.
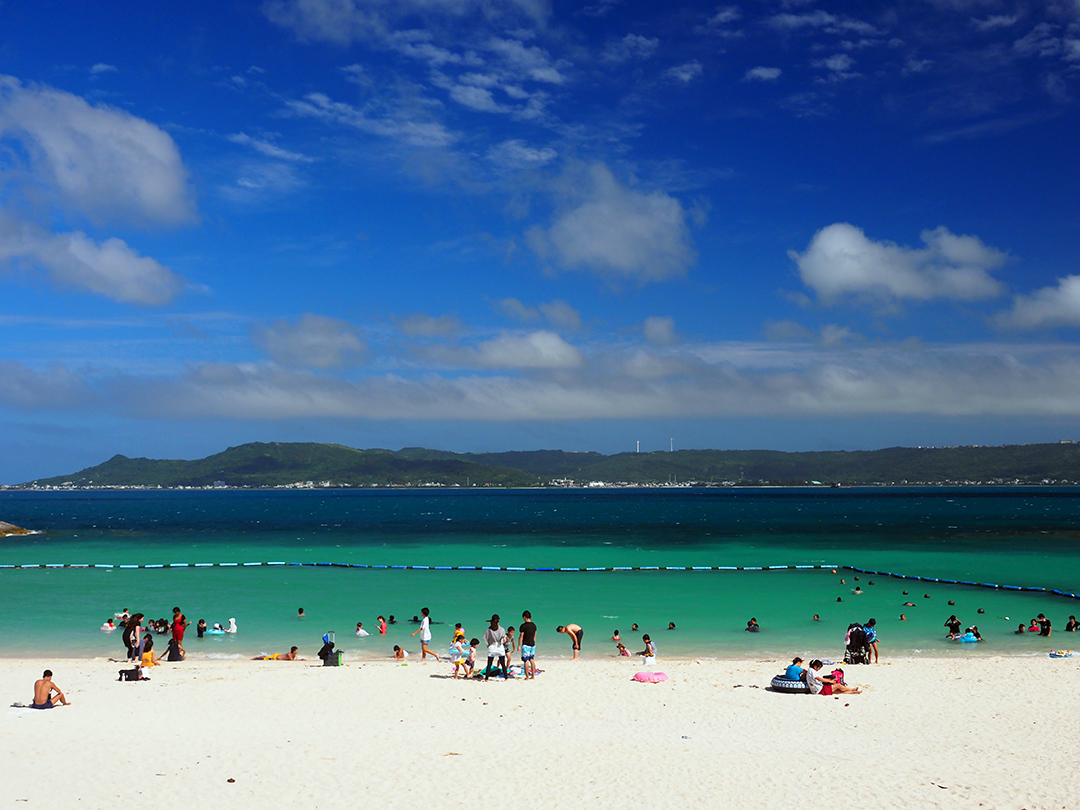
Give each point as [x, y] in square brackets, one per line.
[988, 732]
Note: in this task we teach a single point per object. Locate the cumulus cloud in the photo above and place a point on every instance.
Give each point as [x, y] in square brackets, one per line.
[618, 232]
[74, 260]
[314, 341]
[516, 154]
[631, 46]
[428, 326]
[685, 73]
[762, 74]
[536, 350]
[102, 162]
[841, 262]
[660, 331]
[1047, 308]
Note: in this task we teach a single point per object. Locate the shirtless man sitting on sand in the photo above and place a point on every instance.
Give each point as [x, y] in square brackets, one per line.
[43, 689]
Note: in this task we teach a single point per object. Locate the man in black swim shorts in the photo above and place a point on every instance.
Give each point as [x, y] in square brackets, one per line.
[575, 632]
[43, 689]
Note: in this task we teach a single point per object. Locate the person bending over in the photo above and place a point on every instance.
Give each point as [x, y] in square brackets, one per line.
[575, 632]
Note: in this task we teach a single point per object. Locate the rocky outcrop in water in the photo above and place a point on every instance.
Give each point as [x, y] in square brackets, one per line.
[8, 529]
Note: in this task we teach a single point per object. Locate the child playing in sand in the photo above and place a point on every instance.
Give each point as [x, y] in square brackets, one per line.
[623, 652]
[400, 654]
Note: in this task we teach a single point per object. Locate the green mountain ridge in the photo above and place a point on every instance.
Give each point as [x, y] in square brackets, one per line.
[278, 464]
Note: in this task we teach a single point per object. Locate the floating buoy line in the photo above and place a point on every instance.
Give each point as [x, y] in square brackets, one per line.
[555, 569]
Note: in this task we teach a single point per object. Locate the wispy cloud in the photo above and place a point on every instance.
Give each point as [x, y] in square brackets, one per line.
[313, 341]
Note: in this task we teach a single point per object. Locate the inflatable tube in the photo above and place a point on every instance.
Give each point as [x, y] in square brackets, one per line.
[213, 632]
[649, 677]
[1061, 653]
[782, 684]
[967, 638]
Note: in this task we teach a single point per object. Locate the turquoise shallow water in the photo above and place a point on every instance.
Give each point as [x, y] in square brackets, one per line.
[1006, 536]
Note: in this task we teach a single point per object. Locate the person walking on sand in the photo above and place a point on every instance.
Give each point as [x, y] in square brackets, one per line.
[43, 689]
[527, 634]
[575, 632]
[425, 636]
[495, 641]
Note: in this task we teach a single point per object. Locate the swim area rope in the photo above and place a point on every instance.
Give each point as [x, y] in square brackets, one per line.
[970, 583]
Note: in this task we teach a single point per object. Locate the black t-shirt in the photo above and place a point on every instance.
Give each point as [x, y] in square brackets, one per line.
[528, 634]
[954, 627]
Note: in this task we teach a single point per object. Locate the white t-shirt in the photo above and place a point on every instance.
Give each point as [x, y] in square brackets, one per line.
[813, 680]
[425, 629]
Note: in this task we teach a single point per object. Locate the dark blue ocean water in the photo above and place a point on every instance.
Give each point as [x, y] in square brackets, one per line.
[1022, 536]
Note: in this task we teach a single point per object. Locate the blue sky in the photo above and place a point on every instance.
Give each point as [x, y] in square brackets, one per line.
[518, 224]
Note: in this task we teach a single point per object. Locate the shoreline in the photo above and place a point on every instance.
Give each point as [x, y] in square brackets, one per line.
[933, 733]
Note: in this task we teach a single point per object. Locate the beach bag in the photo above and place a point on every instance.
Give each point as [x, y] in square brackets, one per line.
[133, 674]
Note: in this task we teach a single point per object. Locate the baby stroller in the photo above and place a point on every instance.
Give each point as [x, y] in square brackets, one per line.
[858, 647]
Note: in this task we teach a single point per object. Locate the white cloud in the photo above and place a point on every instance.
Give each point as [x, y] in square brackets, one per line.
[346, 21]
[685, 73]
[995, 21]
[74, 260]
[513, 308]
[427, 326]
[269, 149]
[515, 154]
[660, 331]
[536, 350]
[631, 46]
[618, 232]
[476, 98]
[718, 23]
[26, 389]
[708, 381]
[834, 335]
[762, 74]
[819, 19]
[101, 67]
[415, 132]
[527, 61]
[1040, 41]
[1047, 308]
[314, 341]
[557, 312]
[841, 262]
[561, 314]
[102, 162]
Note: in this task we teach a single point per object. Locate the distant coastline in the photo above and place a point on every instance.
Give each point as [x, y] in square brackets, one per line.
[307, 465]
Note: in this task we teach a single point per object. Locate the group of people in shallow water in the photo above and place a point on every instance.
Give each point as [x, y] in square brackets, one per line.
[139, 641]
